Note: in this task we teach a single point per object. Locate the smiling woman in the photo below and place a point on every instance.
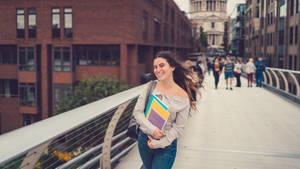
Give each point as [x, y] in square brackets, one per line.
[174, 90]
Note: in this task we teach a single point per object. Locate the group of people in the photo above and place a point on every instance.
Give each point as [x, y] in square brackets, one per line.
[234, 69]
[258, 68]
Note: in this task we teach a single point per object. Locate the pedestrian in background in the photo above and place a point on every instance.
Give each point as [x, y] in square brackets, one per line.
[208, 63]
[229, 67]
[237, 72]
[250, 70]
[216, 67]
[260, 68]
[174, 89]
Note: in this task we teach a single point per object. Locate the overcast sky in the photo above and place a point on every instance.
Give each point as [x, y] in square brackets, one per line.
[184, 5]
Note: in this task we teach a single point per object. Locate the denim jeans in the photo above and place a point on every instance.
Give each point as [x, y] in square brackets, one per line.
[161, 158]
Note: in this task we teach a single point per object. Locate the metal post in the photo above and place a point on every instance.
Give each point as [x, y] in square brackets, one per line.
[105, 160]
[33, 156]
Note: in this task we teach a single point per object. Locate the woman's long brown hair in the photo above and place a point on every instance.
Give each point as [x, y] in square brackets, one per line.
[181, 76]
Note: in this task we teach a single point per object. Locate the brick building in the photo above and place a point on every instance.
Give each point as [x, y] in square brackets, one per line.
[272, 32]
[47, 46]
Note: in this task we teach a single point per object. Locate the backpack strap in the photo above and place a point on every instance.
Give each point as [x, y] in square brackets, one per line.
[149, 91]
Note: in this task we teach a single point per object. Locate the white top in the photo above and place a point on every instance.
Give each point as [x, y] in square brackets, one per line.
[178, 107]
[250, 67]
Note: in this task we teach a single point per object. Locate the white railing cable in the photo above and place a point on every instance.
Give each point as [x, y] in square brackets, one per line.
[14, 145]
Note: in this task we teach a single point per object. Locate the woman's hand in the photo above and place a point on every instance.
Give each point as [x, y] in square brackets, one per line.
[150, 143]
[157, 134]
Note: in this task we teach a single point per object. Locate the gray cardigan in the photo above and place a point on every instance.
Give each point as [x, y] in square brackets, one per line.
[178, 107]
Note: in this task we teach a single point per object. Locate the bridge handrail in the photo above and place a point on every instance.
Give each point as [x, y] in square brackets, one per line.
[284, 70]
[19, 142]
[281, 82]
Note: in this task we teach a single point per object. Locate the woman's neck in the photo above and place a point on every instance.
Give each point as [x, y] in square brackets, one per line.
[167, 84]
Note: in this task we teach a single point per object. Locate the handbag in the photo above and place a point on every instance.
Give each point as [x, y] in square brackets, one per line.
[134, 128]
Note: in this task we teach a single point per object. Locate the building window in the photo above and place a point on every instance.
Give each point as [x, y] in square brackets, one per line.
[20, 23]
[166, 33]
[156, 30]
[296, 34]
[167, 11]
[31, 23]
[26, 59]
[68, 32]
[291, 35]
[55, 23]
[297, 6]
[27, 94]
[106, 55]
[290, 62]
[8, 88]
[145, 25]
[281, 37]
[62, 93]
[257, 12]
[8, 54]
[26, 120]
[212, 25]
[292, 8]
[62, 59]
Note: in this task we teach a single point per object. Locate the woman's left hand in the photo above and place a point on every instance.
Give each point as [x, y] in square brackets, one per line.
[150, 142]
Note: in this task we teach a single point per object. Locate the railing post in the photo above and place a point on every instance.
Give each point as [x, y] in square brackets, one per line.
[105, 159]
[285, 81]
[270, 77]
[296, 83]
[33, 156]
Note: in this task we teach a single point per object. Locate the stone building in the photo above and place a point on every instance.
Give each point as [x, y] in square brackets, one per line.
[211, 15]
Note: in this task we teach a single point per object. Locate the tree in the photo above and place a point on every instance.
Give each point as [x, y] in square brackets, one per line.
[90, 90]
[203, 38]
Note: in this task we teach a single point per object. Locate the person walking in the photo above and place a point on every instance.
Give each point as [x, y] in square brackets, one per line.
[208, 63]
[237, 72]
[229, 67]
[250, 69]
[216, 67]
[174, 89]
[260, 68]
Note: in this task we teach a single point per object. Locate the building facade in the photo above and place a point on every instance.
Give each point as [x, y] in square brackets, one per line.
[237, 31]
[47, 46]
[211, 15]
[272, 32]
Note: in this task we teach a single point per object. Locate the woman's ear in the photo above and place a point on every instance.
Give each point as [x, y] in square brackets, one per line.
[172, 68]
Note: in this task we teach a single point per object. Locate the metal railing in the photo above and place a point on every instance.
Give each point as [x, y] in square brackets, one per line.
[283, 80]
[74, 139]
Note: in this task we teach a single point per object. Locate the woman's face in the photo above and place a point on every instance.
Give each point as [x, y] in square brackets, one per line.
[162, 69]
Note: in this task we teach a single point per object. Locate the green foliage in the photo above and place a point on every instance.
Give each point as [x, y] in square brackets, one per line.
[203, 38]
[90, 90]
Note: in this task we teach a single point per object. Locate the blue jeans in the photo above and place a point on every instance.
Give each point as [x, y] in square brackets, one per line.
[161, 158]
[259, 78]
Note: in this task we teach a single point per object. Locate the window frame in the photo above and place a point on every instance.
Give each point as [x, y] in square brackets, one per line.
[55, 31]
[32, 29]
[27, 87]
[20, 33]
[26, 58]
[61, 50]
[63, 88]
[68, 32]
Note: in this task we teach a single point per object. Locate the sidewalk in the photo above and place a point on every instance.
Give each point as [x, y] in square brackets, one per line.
[247, 128]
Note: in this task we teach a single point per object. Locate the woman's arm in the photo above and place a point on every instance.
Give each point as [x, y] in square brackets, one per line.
[176, 130]
[139, 114]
